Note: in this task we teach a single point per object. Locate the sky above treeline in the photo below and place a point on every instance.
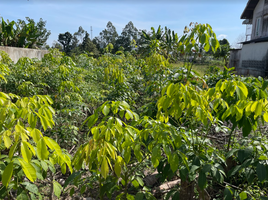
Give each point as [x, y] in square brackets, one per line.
[67, 15]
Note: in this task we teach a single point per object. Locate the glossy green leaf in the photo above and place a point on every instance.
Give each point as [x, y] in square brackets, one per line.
[140, 181]
[118, 165]
[12, 150]
[7, 174]
[36, 135]
[106, 110]
[57, 188]
[261, 172]
[128, 115]
[135, 183]
[138, 153]
[83, 189]
[28, 170]
[104, 167]
[243, 195]
[31, 187]
[174, 162]
[228, 194]
[265, 116]
[53, 145]
[139, 196]
[26, 153]
[41, 149]
[202, 180]
[7, 141]
[156, 156]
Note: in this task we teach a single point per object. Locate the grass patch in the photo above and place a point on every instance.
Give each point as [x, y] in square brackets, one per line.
[201, 69]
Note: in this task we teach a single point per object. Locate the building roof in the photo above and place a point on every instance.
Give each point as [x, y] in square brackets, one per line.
[248, 11]
[263, 39]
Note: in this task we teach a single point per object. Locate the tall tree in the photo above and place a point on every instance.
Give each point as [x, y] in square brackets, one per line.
[223, 51]
[107, 36]
[88, 46]
[26, 34]
[65, 39]
[129, 33]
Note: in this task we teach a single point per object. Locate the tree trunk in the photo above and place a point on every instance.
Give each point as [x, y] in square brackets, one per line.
[187, 190]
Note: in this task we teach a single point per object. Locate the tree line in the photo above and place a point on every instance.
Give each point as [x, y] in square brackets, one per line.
[80, 42]
[141, 43]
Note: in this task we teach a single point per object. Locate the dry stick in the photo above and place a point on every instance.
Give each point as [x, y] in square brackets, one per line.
[51, 187]
[230, 138]
[71, 149]
[233, 186]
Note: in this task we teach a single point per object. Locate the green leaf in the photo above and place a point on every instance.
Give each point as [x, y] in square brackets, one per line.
[36, 135]
[31, 187]
[176, 196]
[7, 174]
[261, 172]
[118, 164]
[174, 162]
[106, 110]
[139, 196]
[128, 115]
[92, 120]
[7, 141]
[263, 157]
[135, 183]
[243, 195]
[127, 155]
[137, 152]
[206, 168]
[207, 47]
[28, 170]
[22, 195]
[130, 197]
[53, 145]
[42, 152]
[57, 188]
[104, 167]
[140, 181]
[204, 38]
[228, 194]
[71, 192]
[32, 120]
[253, 106]
[156, 156]
[12, 150]
[265, 116]
[83, 189]
[73, 176]
[44, 165]
[202, 180]
[170, 90]
[243, 154]
[230, 153]
[246, 129]
[243, 88]
[26, 153]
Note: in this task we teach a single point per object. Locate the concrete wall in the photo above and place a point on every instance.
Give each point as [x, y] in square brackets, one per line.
[16, 53]
[254, 59]
[234, 59]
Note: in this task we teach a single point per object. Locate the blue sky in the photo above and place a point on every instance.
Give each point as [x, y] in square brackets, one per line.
[68, 15]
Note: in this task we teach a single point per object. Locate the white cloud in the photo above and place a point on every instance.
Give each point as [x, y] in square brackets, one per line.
[222, 36]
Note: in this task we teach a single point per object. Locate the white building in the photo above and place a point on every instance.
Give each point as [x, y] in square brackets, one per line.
[253, 57]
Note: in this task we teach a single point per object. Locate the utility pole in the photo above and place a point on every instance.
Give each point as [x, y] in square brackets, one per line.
[91, 32]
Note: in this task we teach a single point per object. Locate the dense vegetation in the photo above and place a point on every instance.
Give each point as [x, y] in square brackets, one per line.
[26, 34]
[96, 127]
